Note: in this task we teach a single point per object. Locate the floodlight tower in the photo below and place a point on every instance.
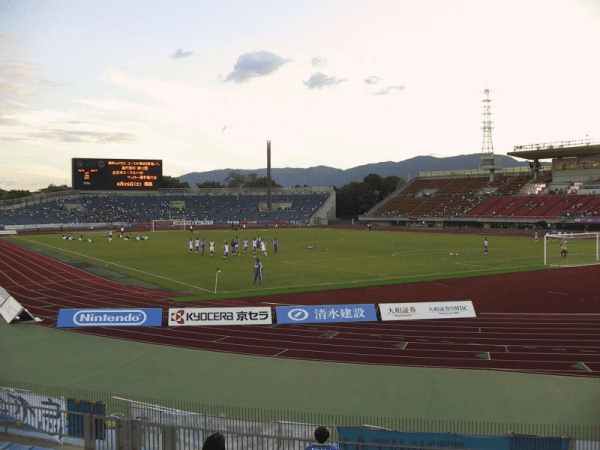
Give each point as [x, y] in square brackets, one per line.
[269, 203]
[488, 161]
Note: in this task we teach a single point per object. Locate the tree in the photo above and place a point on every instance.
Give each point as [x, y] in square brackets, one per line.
[392, 183]
[52, 188]
[382, 186]
[14, 194]
[209, 185]
[173, 183]
[260, 182]
[235, 179]
[355, 199]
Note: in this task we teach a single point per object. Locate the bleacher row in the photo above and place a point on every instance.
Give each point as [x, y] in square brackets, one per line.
[220, 209]
[507, 196]
[538, 206]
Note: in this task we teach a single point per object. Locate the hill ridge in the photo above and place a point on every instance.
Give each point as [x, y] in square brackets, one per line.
[330, 176]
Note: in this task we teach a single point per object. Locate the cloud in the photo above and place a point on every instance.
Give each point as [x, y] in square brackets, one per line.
[17, 88]
[317, 61]
[85, 136]
[10, 139]
[256, 64]
[39, 176]
[5, 121]
[21, 86]
[320, 80]
[181, 54]
[372, 80]
[388, 89]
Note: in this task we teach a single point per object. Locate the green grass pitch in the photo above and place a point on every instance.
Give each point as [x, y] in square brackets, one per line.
[308, 258]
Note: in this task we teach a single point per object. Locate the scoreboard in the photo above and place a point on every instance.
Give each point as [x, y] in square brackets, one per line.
[116, 174]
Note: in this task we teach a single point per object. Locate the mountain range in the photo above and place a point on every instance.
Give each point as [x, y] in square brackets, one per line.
[329, 176]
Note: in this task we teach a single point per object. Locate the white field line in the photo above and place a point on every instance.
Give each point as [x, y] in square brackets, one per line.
[396, 276]
[337, 269]
[122, 266]
[478, 265]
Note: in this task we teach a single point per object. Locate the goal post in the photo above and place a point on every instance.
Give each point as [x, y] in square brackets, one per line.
[572, 249]
[168, 224]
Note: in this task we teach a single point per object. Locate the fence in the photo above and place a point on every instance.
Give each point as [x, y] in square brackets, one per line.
[106, 422]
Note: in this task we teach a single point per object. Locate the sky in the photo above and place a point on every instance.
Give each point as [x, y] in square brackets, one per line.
[203, 84]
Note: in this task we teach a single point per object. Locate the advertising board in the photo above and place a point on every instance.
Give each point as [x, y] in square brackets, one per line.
[220, 316]
[326, 314]
[128, 317]
[427, 310]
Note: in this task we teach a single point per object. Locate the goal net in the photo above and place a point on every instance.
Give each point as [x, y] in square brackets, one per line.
[171, 224]
[571, 249]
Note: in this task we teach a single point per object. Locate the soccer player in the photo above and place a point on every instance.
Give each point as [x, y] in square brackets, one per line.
[190, 245]
[225, 250]
[211, 247]
[563, 250]
[258, 268]
[197, 244]
[263, 247]
[485, 246]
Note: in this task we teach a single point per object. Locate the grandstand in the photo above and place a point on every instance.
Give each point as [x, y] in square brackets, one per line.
[218, 207]
[564, 194]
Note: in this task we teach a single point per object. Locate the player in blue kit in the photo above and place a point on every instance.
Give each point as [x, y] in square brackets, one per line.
[258, 268]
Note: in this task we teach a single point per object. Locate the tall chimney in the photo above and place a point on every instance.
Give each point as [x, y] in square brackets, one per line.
[269, 204]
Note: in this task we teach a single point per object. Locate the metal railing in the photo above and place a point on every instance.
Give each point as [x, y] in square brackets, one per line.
[135, 423]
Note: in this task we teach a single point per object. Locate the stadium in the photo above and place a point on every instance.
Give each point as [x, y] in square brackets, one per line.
[521, 371]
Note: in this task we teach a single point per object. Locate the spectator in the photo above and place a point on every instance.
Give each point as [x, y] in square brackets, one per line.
[215, 441]
[321, 436]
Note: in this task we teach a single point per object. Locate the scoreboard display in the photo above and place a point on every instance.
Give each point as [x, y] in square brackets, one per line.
[116, 174]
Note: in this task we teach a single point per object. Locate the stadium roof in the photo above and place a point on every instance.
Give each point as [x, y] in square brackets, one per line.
[557, 150]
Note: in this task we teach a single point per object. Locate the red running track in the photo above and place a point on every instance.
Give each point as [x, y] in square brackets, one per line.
[539, 322]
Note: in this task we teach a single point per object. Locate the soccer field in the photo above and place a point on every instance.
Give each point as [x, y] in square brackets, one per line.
[308, 258]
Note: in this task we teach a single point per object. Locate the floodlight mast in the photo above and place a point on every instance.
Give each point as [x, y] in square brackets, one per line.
[488, 160]
[269, 203]
[487, 148]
